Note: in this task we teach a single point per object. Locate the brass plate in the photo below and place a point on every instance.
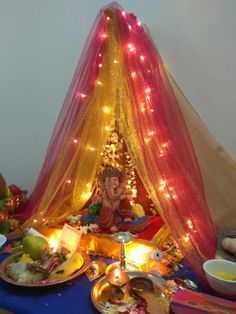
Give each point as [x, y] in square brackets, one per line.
[158, 299]
[77, 273]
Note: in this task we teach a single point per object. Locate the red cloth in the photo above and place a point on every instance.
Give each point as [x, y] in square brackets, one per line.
[155, 223]
[125, 209]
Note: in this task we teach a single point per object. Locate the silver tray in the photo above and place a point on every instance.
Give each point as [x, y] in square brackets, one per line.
[159, 298]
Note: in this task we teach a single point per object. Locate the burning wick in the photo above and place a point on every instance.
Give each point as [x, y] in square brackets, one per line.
[117, 277]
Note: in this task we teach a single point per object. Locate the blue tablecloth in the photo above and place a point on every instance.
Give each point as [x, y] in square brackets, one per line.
[68, 298]
[71, 297]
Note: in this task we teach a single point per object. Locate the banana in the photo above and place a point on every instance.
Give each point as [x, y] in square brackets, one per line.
[74, 262]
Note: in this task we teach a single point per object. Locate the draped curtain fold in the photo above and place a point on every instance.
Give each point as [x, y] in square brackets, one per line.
[217, 168]
[160, 145]
[121, 77]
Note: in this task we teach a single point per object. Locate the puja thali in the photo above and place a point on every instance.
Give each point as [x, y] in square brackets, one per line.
[43, 283]
[146, 288]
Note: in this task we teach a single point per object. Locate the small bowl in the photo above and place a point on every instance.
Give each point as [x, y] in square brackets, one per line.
[220, 285]
[3, 240]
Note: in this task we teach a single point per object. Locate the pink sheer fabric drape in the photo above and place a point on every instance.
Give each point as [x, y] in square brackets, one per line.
[169, 154]
[165, 144]
[80, 88]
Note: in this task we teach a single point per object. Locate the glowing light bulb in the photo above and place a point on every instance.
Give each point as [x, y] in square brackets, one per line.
[82, 95]
[104, 35]
[91, 148]
[139, 23]
[148, 90]
[190, 224]
[133, 74]
[151, 133]
[174, 196]
[162, 185]
[68, 181]
[108, 18]
[167, 195]
[123, 13]
[152, 110]
[35, 220]
[142, 109]
[170, 189]
[130, 27]
[75, 140]
[147, 140]
[106, 109]
[161, 155]
[100, 65]
[165, 145]
[115, 61]
[131, 47]
[142, 58]
[186, 238]
[98, 82]
[87, 195]
[134, 192]
[107, 128]
[100, 55]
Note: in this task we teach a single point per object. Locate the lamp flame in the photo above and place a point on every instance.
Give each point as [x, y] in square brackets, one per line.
[54, 239]
[117, 273]
[138, 253]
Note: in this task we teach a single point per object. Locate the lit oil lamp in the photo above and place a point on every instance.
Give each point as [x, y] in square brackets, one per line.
[118, 280]
[117, 277]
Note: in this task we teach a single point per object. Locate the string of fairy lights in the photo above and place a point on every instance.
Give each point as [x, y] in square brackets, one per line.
[108, 154]
[113, 149]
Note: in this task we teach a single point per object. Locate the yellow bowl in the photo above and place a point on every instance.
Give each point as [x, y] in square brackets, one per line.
[218, 272]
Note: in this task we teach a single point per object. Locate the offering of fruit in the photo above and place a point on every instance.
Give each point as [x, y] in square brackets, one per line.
[34, 246]
[25, 258]
[74, 262]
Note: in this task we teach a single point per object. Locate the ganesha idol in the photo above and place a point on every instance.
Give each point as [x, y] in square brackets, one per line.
[111, 209]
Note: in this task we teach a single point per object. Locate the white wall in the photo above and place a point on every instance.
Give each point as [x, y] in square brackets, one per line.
[40, 44]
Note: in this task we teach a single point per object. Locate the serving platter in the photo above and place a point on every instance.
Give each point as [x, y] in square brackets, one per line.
[43, 283]
[157, 298]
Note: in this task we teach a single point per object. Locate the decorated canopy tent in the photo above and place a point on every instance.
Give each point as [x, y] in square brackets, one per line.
[121, 78]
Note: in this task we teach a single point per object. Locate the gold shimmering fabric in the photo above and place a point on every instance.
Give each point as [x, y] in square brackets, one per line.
[121, 79]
